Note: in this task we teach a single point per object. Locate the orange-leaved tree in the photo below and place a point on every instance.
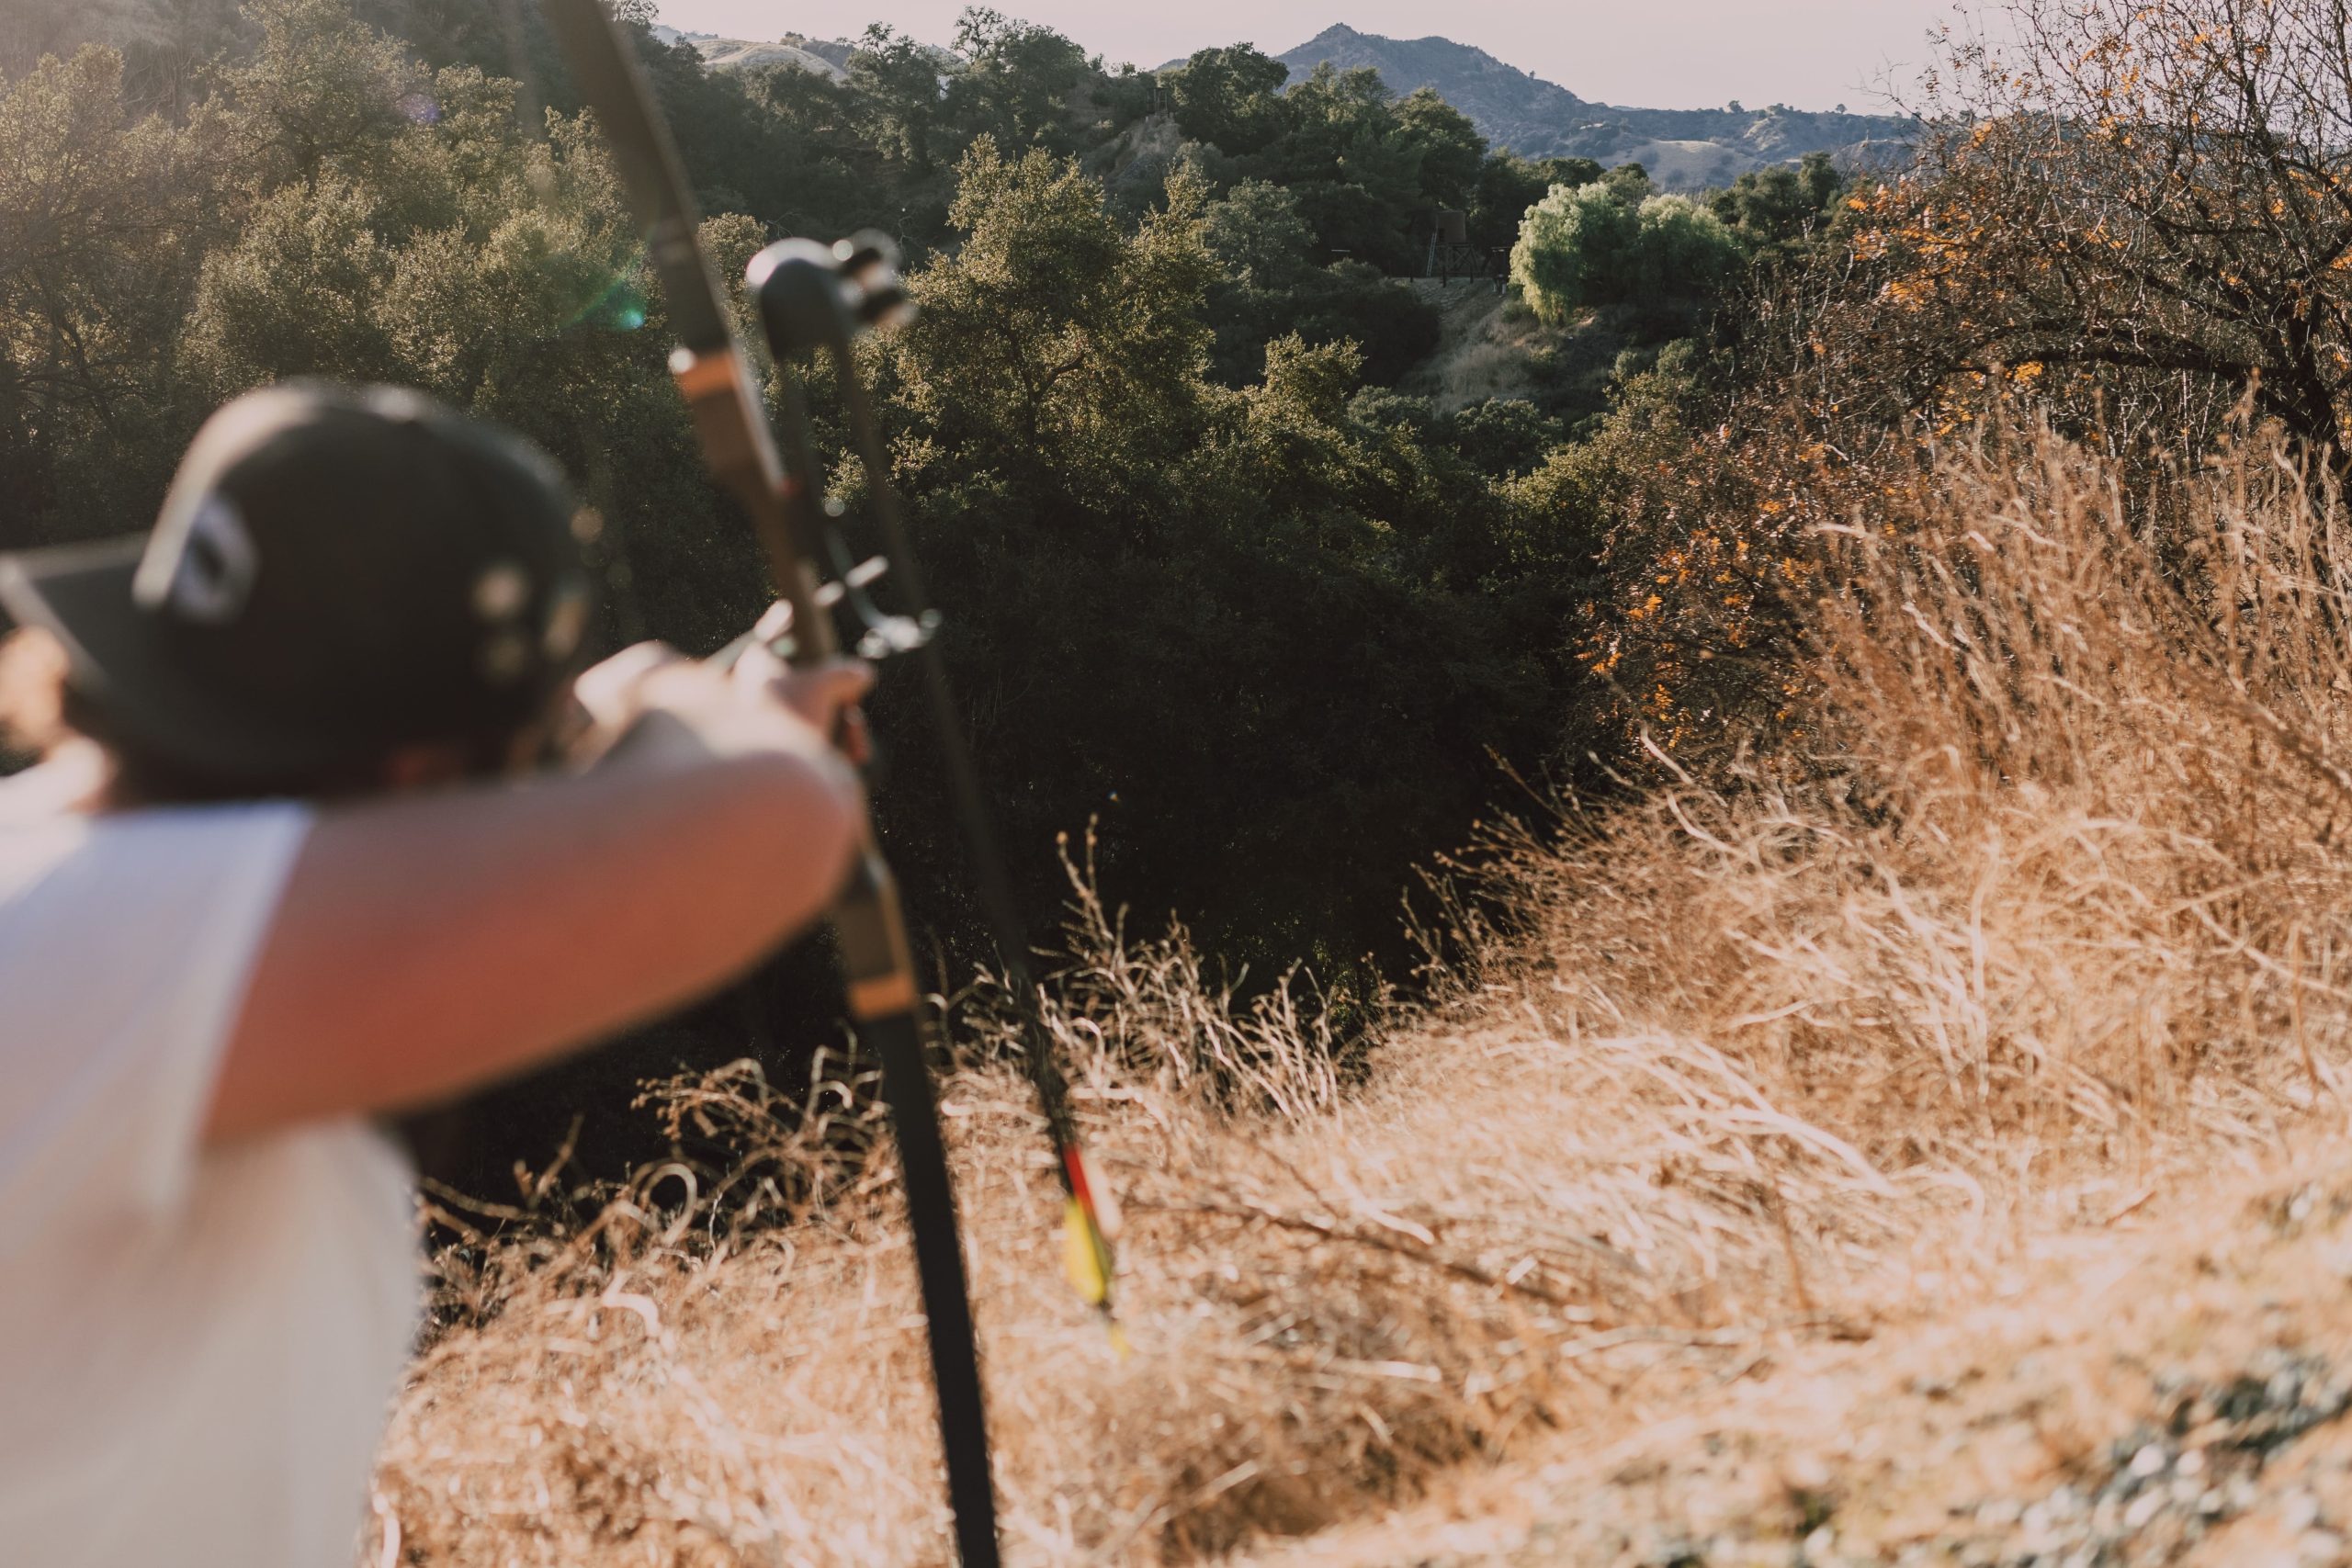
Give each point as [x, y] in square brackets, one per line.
[2135, 208]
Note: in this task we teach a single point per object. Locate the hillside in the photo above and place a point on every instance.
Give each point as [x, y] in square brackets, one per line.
[2168, 1386]
[741, 54]
[1511, 107]
[1490, 345]
[1539, 119]
[1930, 1168]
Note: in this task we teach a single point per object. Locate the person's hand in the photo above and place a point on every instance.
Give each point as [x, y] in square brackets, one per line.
[619, 695]
[826, 695]
[612, 693]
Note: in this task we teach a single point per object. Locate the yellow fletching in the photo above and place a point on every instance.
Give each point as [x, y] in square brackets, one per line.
[1083, 1255]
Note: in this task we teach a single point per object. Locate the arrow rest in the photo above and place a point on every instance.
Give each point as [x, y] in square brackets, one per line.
[880, 634]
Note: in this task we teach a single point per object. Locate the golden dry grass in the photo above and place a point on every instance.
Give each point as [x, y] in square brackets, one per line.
[1492, 347]
[2049, 921]
[1934, 1442]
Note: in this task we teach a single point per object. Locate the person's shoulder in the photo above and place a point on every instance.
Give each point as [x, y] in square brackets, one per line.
[46, 819]
[50, 795]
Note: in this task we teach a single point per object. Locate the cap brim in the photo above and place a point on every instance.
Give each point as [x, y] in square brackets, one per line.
[81, 594]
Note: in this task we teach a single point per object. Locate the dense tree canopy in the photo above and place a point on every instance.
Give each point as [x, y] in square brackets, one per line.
[1231, 98]
[1508, 184]
[1271, 640]
[1211, 581]
[1366, 169]
[1108, 520]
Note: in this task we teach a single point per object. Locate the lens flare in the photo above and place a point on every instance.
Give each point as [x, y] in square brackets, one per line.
[620, 308]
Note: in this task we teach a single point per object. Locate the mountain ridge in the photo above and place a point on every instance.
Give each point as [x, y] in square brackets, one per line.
[1517, 109]
[1513, 108]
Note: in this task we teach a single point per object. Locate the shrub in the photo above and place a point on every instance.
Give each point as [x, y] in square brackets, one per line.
[1592, 246]
[1575, 248]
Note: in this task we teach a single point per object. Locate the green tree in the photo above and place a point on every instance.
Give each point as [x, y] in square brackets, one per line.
[103, 224]
[1129, 555]
[1016, 81]
[1683, 251]
[1630, 182]
[1593, 246]
[296, 295]
[1051, 344]
[1255, 232]
[1355, 171]
[1502, 436]
[1576, 248]
[1508, 184]
[1781, 211]
[321, 92]
[896, 81]
[1272, 289]
[1353, 301]
[830, 175]
[1230, 97]
[1452, 153]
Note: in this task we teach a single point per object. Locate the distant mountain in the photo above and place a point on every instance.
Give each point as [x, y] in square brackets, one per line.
[1512, 108]
[823, 58]
[1683, 147]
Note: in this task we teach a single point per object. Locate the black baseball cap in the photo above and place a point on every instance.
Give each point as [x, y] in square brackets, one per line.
[338, 572]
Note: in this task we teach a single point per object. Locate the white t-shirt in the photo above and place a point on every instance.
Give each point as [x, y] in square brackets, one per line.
[197, 1347]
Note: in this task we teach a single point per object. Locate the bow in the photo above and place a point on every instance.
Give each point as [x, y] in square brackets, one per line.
[815, 298]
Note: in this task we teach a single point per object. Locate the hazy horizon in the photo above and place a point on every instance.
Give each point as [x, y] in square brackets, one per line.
[1815, 54]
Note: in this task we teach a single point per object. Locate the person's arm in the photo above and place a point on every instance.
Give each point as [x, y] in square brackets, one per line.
[428, 943]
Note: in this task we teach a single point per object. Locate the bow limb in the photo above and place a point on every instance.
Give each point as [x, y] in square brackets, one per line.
[780, 502]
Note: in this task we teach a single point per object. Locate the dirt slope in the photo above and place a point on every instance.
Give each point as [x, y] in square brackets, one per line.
[1492, 347]
[2171, 1387]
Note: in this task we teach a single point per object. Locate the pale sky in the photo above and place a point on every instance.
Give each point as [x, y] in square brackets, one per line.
[1639, 53]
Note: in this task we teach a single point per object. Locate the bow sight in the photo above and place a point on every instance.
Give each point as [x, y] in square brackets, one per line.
[816, 298]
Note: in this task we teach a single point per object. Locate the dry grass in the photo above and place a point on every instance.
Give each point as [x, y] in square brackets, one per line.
[1492, 347]
[2054, 919]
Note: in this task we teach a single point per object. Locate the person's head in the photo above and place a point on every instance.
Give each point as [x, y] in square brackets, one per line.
[349, 589]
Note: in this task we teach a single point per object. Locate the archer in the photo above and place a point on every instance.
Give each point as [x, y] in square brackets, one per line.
[290, 861]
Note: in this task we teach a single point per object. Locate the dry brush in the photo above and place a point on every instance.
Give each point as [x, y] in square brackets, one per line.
[2042, 914]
